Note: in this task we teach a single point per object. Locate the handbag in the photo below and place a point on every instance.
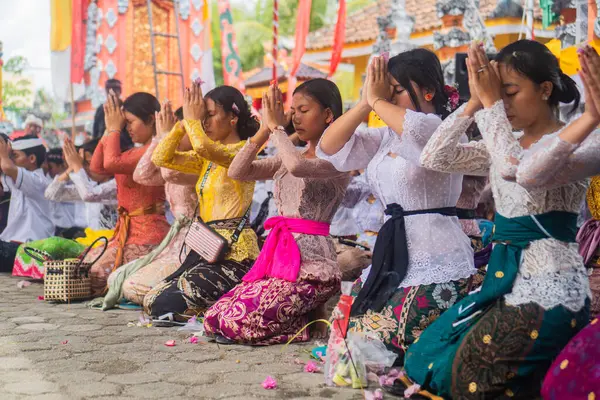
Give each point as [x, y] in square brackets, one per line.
[69, 279]
[206, 241]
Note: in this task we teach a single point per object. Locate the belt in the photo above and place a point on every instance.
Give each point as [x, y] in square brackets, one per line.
[390, 259]
[465, 213]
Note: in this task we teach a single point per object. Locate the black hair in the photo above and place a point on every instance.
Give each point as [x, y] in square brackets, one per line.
[179, 114]
[324, 92]
[55, 156]
[90, 145]
[536, 62]
[112, 83]
[422, 67]
[143, 105]
[226, 97]
[38, 151]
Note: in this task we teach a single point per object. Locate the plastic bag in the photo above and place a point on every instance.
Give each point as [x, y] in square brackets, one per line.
[349, 359]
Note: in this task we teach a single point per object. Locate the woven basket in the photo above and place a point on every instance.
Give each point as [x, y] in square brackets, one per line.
[67, 280]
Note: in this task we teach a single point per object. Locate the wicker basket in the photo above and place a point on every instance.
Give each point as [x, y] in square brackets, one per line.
[67, 280]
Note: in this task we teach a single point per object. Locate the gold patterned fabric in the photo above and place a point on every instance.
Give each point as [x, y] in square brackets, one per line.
[593, 197]
[222, 197]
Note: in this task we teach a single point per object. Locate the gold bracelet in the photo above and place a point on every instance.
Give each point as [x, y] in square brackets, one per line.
[375, 102]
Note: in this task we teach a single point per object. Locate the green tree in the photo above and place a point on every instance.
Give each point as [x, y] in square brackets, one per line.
[16, 90]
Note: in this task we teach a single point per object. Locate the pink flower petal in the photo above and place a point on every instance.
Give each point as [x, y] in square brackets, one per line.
[23, 284]
[64, 342]
[297, 361]
[40, 297]
[386, 56]
[269, 383]
[194, 340]
[311, 367]
[199, 81]
[170, 343]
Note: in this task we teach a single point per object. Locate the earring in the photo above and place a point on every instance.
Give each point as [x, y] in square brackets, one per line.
[545, 97]
[428, 97]
[232, 122]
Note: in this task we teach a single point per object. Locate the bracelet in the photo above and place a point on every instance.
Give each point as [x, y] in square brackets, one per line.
[375, 102]
[114, 130]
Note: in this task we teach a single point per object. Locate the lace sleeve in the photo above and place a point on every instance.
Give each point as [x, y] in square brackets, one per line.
[357, 191]
[221, 154]
[553, 162]
[358, 151]
[503, 147]
[444, 151]
[245, 166]
[60, 191]
[146, 172]
[417, 130]
[298, 165]
[166, 155]
[92, 192]
[178, 178]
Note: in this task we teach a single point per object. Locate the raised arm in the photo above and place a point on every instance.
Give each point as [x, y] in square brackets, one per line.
[296, 163]
[166, 155]
[245, 166]
[218, 153]
[444, 151]
[116, 162]
[92, 192]
[147, 173]
[59, 190]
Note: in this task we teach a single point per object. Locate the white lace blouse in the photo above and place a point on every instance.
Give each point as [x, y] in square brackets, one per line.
[438, 249]
[552, 272]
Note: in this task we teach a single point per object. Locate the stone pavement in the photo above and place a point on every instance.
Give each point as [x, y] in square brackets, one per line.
[51, 351]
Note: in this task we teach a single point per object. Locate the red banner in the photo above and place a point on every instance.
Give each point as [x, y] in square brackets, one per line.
[338, 39]
[302, 26]
[78, 39]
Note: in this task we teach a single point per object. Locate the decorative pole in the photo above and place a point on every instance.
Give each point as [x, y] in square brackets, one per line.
[275, 37]
[2, 117]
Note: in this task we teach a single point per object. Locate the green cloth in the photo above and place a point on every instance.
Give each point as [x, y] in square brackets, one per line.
[115, 291]
[58, 248]
[429, 360]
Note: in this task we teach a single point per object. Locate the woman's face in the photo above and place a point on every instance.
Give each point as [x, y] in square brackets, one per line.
[218, 124]
[310, 119]
[401, 97]
[522, 98]
[139, 131]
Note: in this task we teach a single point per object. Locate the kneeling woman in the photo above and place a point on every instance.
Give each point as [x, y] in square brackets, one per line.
[218, 127]
[296, 271]
[422, 261]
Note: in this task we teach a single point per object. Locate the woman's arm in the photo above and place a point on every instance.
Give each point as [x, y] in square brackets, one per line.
[245, 166]
[444, 152]
[92, 192]
[116, 162]
[146, 172]
[166, 155]
[58, 190]
[218, 153]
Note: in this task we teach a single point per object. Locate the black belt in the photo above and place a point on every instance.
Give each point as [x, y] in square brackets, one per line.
[390, 259]
[465, 213]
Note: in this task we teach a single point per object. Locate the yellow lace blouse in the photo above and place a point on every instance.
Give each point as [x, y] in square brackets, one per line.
[593, 197]
[222, 197]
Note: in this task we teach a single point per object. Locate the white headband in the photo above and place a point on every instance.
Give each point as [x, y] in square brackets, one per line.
[26, 144]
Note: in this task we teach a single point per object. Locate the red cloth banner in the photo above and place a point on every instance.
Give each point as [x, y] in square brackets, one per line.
[78, 39]
[302, 26]
[339, 38]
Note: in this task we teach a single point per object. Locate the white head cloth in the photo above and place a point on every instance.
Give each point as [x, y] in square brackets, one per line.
[26, 144]
[32, 119]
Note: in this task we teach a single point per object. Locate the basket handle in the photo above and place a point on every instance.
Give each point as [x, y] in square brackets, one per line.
[35, 253]
[90, 247]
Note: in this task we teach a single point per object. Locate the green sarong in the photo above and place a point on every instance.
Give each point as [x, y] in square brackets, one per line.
[430, 360]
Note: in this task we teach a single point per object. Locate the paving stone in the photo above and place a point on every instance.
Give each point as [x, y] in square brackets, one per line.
[19, 376]
[133, 379]
[112, 339]
[114, 366]
[169, 366]
[38, 327]
[82, 328]
[90, 389]
[28, 320]
[48, 396]
[219, 391]
[82, 376]
[190, 379]
[157, 390]
[305, 379]
[14, 363]
[199, 356]
[29, 388]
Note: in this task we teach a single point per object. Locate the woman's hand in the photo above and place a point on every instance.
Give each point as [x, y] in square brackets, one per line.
[273, 114]
[590, 76]
[194, 107]
[379, 86]
[165, 119]
[73, 159]
[114, 117]
[486, 79]
[474, 103]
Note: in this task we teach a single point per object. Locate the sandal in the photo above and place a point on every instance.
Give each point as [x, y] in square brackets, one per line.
[166, 321]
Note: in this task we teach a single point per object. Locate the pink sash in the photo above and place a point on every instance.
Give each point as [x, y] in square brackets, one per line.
[280, 256]
[588, 238]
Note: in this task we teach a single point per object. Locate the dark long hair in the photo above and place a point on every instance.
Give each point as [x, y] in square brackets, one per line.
[324, 92]
[537, 63]
[143, 105]
[422, 67]
[226, 97]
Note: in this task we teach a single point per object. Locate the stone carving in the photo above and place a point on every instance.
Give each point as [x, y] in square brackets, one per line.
[90, 57]
[122, 6]
[454, 38]
[451, 7]
[184, 9]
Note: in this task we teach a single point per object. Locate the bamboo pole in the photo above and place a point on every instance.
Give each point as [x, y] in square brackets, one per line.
[72, 114]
